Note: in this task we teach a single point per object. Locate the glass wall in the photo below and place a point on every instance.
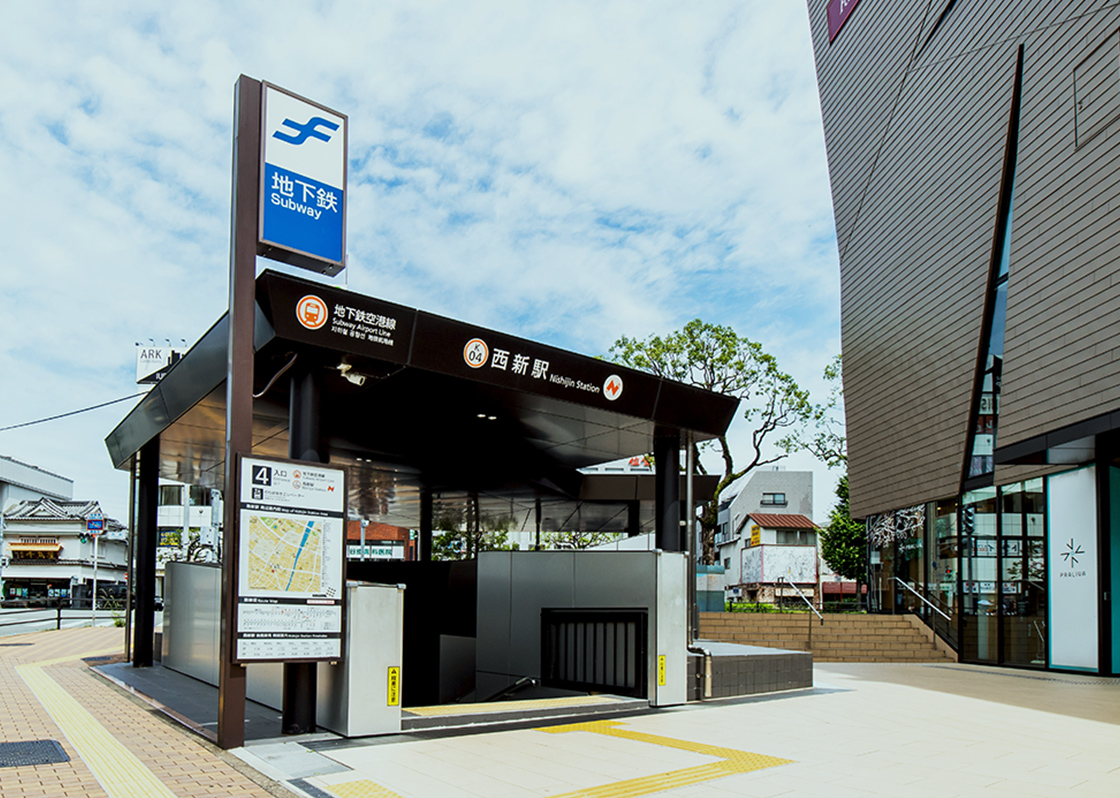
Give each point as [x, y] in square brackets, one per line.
[981, 562]
[979, 576]
[1023, 573]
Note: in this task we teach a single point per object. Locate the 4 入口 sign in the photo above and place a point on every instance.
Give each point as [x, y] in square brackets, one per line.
[303, 182]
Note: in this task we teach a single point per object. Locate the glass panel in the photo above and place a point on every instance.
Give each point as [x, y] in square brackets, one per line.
[980, 602]
[909, 567]
[943, 568]
[1023, 570]
[170, 495]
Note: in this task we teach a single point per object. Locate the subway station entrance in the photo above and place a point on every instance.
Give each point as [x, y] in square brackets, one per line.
[427, 414]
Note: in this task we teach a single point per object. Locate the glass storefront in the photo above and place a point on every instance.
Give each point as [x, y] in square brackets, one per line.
[981, 565]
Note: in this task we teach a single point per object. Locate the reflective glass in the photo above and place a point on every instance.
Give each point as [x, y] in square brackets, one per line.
[979, 564]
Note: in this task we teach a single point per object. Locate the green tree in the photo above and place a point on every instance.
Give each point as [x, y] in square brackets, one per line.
[464, 531]
[844, 540]
[575, 539]
[716, 358]
[829, 444]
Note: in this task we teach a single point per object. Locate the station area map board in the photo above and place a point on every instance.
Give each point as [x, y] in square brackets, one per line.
[290, 561]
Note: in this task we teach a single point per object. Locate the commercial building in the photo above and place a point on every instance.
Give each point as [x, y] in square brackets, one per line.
[971, 150]
[49, 553]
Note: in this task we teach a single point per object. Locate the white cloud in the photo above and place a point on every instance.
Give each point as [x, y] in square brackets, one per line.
[567, 171]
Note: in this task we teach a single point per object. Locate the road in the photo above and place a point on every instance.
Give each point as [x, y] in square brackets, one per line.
[20, 621]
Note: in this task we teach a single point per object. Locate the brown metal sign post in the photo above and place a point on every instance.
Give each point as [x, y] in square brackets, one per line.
[239, 387]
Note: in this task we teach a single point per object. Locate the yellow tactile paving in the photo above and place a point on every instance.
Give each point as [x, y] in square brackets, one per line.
[187, 766]
[363, 788]
[733, 761]
[116, 768]
[510, 706]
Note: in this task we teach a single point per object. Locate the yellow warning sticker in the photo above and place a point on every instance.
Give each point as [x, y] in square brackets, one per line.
[661, 670]
[394, 687]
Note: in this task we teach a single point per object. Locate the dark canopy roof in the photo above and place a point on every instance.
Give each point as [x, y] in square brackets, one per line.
[513, 425]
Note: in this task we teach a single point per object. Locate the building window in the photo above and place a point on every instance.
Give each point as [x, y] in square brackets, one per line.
[796, 537]
[170, 495]
[986, 408]
[774, 499]
[727, 563]
[200, 497]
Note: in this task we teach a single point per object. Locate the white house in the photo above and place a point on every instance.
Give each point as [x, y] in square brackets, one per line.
[48, 552]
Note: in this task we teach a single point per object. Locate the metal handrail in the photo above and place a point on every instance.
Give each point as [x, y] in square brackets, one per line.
[808, 603]
[923, 599]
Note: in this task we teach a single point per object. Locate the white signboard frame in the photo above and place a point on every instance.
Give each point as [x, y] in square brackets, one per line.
[291, 561]
[303, 192]
[1072, 564]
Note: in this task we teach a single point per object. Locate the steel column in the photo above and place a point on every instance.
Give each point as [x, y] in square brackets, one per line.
[667, 488]
[244, 207]
[145, 570]
[305, 442]
[425, 525]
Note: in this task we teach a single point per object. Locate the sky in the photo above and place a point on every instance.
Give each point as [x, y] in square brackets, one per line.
[570, 172]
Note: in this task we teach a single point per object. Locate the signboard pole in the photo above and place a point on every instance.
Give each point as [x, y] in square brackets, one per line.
[239, 387]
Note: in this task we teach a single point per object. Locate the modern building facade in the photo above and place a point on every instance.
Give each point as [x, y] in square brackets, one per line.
[971, 150]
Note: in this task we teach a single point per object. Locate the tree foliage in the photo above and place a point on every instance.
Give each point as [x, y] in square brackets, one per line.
[575, 539]
[829, 443]
[716, 358]
[844, 541]
[464, 531]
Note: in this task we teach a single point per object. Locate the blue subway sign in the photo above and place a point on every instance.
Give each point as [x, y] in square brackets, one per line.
[303, 182]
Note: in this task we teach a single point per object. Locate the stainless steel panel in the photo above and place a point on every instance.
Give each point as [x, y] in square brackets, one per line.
[191, 619]
[492, 623]
[538, 579]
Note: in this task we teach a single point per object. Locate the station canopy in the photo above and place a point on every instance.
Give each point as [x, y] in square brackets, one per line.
[412, 400]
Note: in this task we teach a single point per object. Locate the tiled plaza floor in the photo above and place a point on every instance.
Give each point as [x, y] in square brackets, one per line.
[899, 730]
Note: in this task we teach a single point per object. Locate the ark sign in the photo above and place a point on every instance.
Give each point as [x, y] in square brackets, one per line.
[303, 182]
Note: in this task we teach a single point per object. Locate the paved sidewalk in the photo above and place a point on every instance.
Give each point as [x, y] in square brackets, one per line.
[118, 746]
[913, 730]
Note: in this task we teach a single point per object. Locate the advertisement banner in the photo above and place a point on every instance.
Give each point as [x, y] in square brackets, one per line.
[1072, 542]
[290, 561]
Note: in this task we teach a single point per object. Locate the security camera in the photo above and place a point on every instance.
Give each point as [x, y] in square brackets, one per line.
[346, 370]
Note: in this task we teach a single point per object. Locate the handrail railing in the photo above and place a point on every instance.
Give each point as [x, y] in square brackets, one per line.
[808, 603]
[923, 599]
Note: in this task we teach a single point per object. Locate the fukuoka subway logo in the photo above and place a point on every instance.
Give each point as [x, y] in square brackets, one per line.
[311, 312]
[310, 129]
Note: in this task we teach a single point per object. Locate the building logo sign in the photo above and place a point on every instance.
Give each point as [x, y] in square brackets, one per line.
[612, 387]
[303, 182]
[838, 13]
[476, 353]
[1072, 552]
[311, 312]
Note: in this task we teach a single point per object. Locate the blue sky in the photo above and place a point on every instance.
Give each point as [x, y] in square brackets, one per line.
[570, 172]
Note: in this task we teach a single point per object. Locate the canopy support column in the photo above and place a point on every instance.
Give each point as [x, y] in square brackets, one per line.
[667, 488]
[305, 442]
[145, 570]
[425, 524]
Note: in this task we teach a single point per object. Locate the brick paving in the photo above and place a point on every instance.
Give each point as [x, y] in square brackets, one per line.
[187, 765]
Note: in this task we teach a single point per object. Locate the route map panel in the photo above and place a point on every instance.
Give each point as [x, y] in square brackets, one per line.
[291, 561]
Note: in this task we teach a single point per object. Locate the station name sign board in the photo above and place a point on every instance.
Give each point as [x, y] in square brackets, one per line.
[303, 182]
[291, 561]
